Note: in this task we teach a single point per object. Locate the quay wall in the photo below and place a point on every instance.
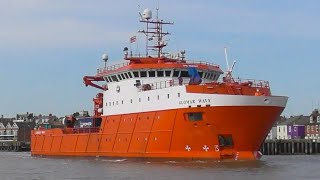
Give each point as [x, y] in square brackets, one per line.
[290, 147]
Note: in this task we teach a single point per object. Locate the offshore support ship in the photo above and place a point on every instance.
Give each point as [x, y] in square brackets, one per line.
[162, 106]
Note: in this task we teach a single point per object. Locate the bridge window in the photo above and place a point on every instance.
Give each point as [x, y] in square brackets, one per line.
[217, 77]
[176, 73]
[214, 77]
[130, 75]
[200, 74]
[143, 73]
[114, 78]
[110, 80]
[119, 76]
[136, 73]
[126, 74]
[106, 79]
[206, 75]
[152, 74]
[122, 75]
[184, 74]
[168, 73]
[159, 73]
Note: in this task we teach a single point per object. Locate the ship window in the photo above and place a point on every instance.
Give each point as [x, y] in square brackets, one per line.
[114, 78]
[143, 73]
[158, 97]
[178, 94]
[113, 103]
[126, 74]
[130, 100]
[168, 73]
[176, 73]
[159, 73]
[214, 77]
[211, 76]
[109, 103]
[195, 116]
[136, 73]
[117, 103]
[225, 140]
[122, 101]
[139, 99]
[122, 75]
[152, 74]
[206, 75]
[184, 74]
[119, 77]
[168, 96]
[106, 103]
[148, 98]
[130, 75]
[201, 73]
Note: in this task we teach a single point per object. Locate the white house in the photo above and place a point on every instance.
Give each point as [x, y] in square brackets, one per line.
[272, 134]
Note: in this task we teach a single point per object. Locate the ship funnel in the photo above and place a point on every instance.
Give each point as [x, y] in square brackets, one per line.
[147, 14]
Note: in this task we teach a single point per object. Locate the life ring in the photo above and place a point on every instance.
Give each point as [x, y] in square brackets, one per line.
[146, 87]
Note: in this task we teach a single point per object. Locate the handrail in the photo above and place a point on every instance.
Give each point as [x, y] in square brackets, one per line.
[81, 130]
[188, 62]
[112, 68]
[175, 82]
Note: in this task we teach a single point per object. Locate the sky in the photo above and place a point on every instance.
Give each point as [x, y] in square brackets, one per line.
[46, 47]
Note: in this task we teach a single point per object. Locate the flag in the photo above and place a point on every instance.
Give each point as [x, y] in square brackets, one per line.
[133, 39]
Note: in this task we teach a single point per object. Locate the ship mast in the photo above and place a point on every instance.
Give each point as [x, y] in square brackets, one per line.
[154, 32]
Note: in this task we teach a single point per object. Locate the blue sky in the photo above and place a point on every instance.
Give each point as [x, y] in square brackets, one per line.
[46, 47]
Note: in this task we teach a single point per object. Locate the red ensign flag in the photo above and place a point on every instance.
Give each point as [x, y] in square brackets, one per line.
[133, 39]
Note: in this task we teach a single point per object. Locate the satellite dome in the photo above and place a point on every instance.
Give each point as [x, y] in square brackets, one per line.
[147, 14]
[105, 57]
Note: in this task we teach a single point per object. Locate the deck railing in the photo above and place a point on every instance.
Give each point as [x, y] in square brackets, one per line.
[81, 130]
[175, 82]
[189, 63]
[112, 68]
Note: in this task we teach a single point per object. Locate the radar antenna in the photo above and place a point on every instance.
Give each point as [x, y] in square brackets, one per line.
[154, 31]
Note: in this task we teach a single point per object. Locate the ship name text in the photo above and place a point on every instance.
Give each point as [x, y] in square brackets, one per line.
[194, 101]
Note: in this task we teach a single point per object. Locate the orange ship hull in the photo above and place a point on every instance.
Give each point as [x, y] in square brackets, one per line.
[167, 134]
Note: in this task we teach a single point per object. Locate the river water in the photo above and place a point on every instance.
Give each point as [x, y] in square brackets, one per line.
[21, 166]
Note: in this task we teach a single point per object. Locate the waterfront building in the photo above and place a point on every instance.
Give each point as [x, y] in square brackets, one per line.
[273, 131]
[296, 128]
[312, 128]
[48, 122]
